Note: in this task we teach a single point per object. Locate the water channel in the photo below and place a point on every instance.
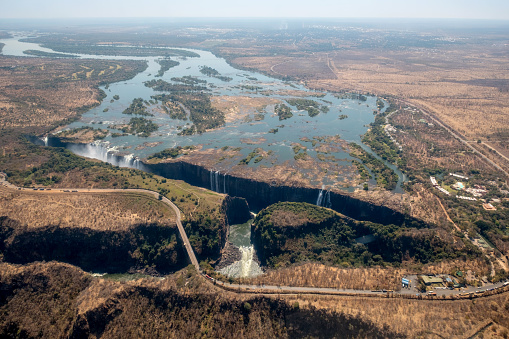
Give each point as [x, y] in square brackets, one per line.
[249, 133]
[348, 118]
[240, 236]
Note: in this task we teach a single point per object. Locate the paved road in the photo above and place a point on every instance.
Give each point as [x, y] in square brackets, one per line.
[183, 235]
[298, 289]
[455, 135]
[266, 288]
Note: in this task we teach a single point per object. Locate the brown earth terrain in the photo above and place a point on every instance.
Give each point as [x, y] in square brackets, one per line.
[240, 107]
[58, 300]
[98, 211]
[43, 92]
[77, 303]
[372, 278]
[451, 82]
[463, 85]
[423, 319]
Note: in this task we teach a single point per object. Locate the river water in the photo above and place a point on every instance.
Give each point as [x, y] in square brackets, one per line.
[127, 150]
[247, 266]
[240, 133]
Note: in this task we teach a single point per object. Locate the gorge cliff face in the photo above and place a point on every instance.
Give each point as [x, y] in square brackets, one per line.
[236, 210]
[258, 194]
[261, 194]
[149, 248]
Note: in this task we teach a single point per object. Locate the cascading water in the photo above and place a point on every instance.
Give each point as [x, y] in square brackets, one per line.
[214, 182]
[45, 140]
[327, 200]
[216, 174]
[245, 267]
[101, 151]
[323, 199]
[320, 197]
[224, 183]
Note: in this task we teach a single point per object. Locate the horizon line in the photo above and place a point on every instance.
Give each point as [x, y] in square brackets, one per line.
[251, 17]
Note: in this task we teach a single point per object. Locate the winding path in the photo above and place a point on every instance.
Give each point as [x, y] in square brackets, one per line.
[260, 289]
[183, 235]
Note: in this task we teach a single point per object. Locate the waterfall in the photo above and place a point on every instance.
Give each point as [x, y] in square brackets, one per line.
[327, 200]
[100, 150]
[245, 267]
[323, 199]
[45, 140]
[216, 174]
[320, 197]
[211, 181]
[224, 183]
[214, 181]
[247, 261]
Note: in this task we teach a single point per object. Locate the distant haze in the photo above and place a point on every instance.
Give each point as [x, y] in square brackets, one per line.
[461, 9]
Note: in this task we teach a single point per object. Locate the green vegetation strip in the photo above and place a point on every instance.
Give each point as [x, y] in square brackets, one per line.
[202, 114]
[380, 142]
[140, 126]
[312, 107]
[385, 177]
[117, 50]
[288, 232]
[284, 112]
[166, 64]
[211, 72]
[164, 86]
[48, 54]
[171, 152]
[137, 107]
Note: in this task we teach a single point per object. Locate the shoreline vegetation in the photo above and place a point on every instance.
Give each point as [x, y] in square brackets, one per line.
[114, 50]
[384, 176]
[137, 107]
[427, 151]
[211, 72]
[166, 64]
[48, 54]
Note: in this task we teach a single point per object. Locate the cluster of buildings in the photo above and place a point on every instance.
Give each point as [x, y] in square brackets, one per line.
[437, 186]
[477, 191]
[391, 129]
[466, 198]
[458, 176]
[443, 281]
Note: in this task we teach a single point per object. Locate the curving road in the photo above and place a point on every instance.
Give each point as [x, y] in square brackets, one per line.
[183, 235]
[267, 289]
[409, 292]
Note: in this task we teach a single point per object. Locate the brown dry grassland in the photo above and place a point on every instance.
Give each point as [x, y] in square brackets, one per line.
[318, 275]
[99, 211]
[451, 83]
[423, 318]
[37, 92]
[462, 85]
[239, 107]
[112, 301]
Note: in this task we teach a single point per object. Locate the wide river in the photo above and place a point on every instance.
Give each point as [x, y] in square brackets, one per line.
[348, 118]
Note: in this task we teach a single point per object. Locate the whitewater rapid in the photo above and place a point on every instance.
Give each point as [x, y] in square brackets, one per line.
[245, 267]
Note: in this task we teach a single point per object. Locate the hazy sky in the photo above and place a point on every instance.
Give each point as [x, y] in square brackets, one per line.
[478, 9]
